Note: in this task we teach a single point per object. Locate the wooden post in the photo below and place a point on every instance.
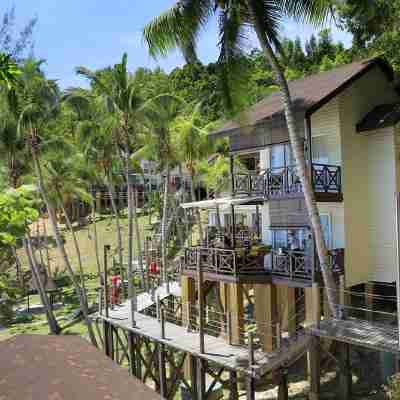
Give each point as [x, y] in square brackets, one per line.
[132, 355]
[345, 376]
[287, 310]
[235, 307]
[250, 388]
[229, 327]
[283, 390]
[231, 160]
[200, 291]
[162, 322]
[266, 313]
[106, 336]
[316, 300]
[233, 227]
[201, 379]
[162, 369]
[278, 335]
[106, 294]
[233, 388]
[314, 369]
[250, 349]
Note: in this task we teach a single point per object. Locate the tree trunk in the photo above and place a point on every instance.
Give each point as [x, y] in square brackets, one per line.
[96, 241]
[111, 193]
[76, 245]
[164, 260]
[197, 211]
[60, 245]
[18, 266]
[46, 245]
[298, 153]
[131, 285]
[51, 319]
[138, 238]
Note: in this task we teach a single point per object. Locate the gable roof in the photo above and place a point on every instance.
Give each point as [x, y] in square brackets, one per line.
[63, 368]
[309, 93]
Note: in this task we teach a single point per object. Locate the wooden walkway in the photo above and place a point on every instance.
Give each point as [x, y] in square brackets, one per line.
[373, 335]
[217, 350]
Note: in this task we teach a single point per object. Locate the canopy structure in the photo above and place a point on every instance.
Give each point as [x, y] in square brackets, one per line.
[224, 202]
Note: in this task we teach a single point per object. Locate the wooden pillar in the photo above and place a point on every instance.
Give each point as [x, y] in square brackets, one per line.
[266, 313]
[188, 288]
[201, 379]
[250, 388]
[287, 312]
[235, 308]
[106, 335]
[314, 369]
[345, 376]
[233, 386]
[162, 371]
[98, 202]
[132, 353]
[283, 390]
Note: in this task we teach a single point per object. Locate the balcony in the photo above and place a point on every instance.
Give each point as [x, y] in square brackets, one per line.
[294, 268]
[284, 183]
[229, 265]
[301, 267]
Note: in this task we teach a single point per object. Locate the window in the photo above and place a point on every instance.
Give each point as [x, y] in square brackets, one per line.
[293, 239]
[281, 156]
[326, 150]
[326, 229]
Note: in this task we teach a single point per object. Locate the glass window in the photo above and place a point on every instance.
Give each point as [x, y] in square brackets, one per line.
[290, 239]
[326, 229]
[281, 156]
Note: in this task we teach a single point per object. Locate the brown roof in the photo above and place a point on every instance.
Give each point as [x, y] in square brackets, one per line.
[309, 93]
[35, 367]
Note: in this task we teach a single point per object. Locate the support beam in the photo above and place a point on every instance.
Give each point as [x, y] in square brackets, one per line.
[283, 390]
[287, 311]
[369, 300]
[250, 388]
[314, 368]
[345, 376]
[233, 386]
[132, 353]
[235, 307]
[266, 313]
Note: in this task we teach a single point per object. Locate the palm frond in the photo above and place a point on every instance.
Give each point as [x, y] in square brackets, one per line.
[314, 12]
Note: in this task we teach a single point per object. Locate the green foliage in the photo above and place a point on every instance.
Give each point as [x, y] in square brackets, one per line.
[393, 388]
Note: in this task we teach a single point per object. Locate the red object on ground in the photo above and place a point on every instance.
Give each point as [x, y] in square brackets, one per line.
[116, 290]
[154, 268]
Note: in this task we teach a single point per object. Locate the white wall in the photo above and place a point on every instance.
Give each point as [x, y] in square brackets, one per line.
[361, 211]
[325, 129]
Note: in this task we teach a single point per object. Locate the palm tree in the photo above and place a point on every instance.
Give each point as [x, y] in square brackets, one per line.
[94, 136]
[193, 146]
[159, 116]
[180, 26]
[38, 101]
[122, 96]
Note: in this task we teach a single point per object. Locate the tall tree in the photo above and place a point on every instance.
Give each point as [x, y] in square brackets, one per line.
[38, 100]
[159, 116]
[180, 26]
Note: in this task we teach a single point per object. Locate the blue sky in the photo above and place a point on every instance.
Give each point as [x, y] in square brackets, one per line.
[96, 33]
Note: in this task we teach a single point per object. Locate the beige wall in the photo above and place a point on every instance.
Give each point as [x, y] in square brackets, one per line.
[363, 96]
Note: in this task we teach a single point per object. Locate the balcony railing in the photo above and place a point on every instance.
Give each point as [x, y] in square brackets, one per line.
[285, 182]
[297, 265]
[220, 261]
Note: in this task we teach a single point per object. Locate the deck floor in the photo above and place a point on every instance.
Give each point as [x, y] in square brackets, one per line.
[217, 350]
[373, 335]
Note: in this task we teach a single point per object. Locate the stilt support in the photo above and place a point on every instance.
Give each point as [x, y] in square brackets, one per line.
[345, 376]
[314, 368]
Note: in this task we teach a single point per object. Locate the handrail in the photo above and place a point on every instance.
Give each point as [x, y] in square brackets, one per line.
[281, 181]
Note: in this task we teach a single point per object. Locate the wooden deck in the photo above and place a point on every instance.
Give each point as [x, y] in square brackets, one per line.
[373, 335]
[217, 350]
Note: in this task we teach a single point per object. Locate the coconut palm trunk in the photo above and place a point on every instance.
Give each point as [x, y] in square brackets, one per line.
[76, 244]
[59, 241]
[96, 240]
[197, 211]
[298, 154]
[164, 256]
[138, 238]
[111, 193]
[51, 319]
[131, 284]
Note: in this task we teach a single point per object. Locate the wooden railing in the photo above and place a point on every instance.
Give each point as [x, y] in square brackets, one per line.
[284, 182]
[222, 261]
[296, 265]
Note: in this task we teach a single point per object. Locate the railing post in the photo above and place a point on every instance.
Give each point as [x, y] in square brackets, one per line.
[278, 335]
[158, 307]
[162, 320]
[251, 349]
[201, 303]
[229, 327]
